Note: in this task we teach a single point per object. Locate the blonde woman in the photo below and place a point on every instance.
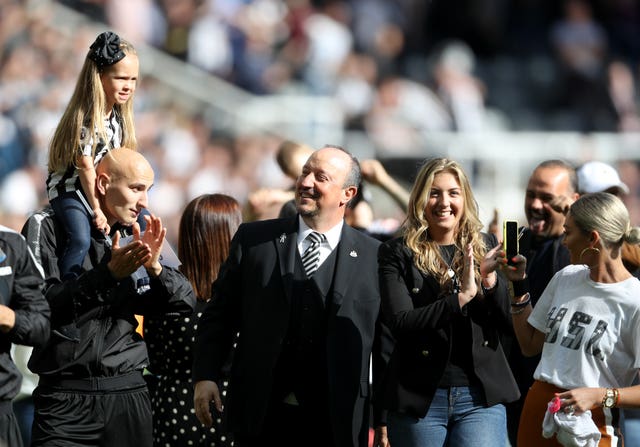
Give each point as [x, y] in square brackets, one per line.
[585, 325]
[98, 118]
[447, 308]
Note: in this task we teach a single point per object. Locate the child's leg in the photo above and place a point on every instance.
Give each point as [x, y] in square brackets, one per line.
[77, 224]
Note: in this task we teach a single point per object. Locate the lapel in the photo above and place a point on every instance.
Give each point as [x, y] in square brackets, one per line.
[286, 246]
[347, 259]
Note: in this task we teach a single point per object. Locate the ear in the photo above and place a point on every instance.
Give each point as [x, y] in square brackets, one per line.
[349, 193]
[594, 237]
[102, 183]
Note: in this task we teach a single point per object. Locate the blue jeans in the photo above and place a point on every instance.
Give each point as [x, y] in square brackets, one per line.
[77, 225]
[457, 417]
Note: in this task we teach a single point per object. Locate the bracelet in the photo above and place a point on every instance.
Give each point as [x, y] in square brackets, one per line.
[526, 301]
[518, 311]
[520, 287]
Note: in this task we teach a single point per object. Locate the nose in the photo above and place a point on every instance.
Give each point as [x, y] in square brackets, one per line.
[143, 200]
[305, 180]
[536, 203]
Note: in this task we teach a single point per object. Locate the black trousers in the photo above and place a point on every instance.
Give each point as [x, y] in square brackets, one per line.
[9, 429]
[104, 417]
[290, 426]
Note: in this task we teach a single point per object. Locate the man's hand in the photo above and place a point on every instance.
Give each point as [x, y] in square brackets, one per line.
[206, 391]
[126, 260]
[7, 318]
[380, 438]
[153, 238]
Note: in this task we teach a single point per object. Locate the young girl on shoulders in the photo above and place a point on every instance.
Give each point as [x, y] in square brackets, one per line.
[98, 118]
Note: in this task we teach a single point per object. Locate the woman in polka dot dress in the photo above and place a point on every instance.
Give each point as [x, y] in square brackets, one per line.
[206, 228]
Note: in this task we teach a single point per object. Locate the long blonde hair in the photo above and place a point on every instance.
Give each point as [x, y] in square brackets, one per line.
[87, 108]
[415, 230]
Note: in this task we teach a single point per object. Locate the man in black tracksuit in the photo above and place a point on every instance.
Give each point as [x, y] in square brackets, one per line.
[24, 319]
[91, 390]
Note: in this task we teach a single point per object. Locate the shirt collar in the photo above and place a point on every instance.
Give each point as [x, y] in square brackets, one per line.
[332, 235]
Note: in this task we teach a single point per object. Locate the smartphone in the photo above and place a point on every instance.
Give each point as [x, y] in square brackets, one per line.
[510, 239]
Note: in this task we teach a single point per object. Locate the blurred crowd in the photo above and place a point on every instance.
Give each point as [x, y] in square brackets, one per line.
[399, 68]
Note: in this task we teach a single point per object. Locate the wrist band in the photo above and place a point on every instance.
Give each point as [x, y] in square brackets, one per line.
[526, 301]
[520, 287]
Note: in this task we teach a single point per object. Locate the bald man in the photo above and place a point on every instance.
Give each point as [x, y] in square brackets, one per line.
[91, 390]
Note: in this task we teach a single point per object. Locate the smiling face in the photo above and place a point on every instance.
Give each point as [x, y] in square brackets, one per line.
[444, 207]
[546, 186]
[321, 194]
[119, 80]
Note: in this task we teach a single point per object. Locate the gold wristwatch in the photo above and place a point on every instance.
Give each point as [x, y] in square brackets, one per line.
[610, 398]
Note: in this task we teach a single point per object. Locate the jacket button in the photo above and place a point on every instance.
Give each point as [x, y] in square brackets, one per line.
[485, 343]
[415, 290]
[425, 353]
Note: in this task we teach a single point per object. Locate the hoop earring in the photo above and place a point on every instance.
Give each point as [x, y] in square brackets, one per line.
[586, 249]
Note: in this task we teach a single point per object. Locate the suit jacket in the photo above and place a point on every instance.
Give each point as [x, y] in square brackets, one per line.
[252, 296]
[419, 317]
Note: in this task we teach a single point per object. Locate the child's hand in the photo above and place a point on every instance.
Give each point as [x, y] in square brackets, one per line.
[100, 221]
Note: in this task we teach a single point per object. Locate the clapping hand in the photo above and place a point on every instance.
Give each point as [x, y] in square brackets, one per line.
[153, 238]
[468, 287]
[126, 260]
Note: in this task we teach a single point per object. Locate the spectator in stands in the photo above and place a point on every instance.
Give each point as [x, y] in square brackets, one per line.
[585, 325]
[551, 188]
[580, 45]
[208, 223]
[266, 203]
[447, 308]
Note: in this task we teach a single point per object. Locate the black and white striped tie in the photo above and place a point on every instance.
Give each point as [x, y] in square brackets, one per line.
[311, 256]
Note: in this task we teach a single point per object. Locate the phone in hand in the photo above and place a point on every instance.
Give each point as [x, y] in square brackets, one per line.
[510, 239]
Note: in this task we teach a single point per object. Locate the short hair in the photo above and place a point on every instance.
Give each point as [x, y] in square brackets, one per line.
[354, 177]
[562, 164]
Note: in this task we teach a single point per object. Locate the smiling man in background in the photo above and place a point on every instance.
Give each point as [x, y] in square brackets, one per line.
[551, 189]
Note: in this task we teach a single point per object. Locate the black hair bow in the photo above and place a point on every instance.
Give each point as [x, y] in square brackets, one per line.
[106, 50]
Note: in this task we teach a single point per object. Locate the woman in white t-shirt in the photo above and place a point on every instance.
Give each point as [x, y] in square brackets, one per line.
[585, 324]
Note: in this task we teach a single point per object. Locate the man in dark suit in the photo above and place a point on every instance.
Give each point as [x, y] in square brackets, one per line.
[306, 320]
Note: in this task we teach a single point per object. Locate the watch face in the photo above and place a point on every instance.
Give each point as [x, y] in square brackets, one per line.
[608, 402]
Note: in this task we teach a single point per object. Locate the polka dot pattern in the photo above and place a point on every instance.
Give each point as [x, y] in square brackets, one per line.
[169, 342]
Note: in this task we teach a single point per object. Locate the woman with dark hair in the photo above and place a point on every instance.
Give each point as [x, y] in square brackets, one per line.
[447, 308]
[207, 225]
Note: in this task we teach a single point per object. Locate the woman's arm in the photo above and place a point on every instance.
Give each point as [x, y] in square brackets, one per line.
[529, 338]
[582, 399]
[399, 294]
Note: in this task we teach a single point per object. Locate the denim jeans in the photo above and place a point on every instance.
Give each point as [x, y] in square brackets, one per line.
[457, 417]
[77, 225]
